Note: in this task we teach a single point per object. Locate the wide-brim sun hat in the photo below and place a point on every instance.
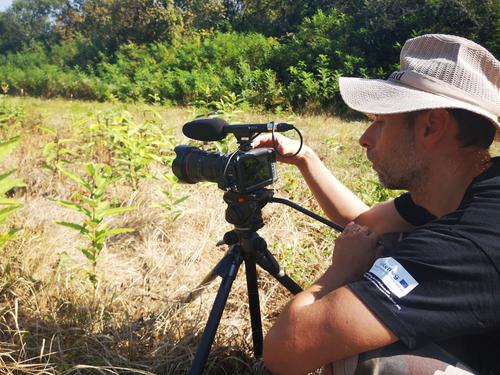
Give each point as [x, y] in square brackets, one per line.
[436, 71]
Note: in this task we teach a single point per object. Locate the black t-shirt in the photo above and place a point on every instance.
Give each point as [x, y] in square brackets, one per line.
[441, 282]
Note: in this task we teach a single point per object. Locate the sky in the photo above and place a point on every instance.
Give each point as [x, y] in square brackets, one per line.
[4, 4]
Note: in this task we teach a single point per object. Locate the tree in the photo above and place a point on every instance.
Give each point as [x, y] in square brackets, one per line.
[384, 25]
[272, 17]
[110, 23]
[204, 14]
[27, 21]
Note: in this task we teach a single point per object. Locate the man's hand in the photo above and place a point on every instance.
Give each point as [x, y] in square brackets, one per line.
[285, 146]
[355, 251]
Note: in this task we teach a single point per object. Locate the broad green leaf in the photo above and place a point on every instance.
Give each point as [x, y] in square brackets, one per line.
[48, 130]
[117, 211]
[103, 205]
[76, 178]
[7, 146]
[9, 202]
[180, 200]
[100, 236]
[6, 174]
[95, 222]
[74, 206]
[90, 169]
[8, 236]
[92, 278]
[67, 151]
[6, 212]
[9, 184]
[74, 226]
[91, 202]
[89, 254]
[48, 149]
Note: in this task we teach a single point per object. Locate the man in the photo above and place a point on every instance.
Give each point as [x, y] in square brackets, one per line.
[430, 302]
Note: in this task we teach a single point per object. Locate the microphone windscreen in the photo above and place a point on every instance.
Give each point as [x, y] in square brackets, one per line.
[205, 129]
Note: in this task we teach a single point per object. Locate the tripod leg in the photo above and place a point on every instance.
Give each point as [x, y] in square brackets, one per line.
[269, 263]
[254, 304]
[218, 270]
[218, 308]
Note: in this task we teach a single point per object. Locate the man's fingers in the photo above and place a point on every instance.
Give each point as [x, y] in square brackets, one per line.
[262, 140]
[353, 228]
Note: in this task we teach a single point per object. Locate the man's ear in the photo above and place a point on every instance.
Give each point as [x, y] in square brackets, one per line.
[433, 125]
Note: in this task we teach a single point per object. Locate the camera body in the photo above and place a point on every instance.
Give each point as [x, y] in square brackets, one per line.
[242, 171]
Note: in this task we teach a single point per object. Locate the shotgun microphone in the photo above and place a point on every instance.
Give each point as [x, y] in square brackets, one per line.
[216, 129]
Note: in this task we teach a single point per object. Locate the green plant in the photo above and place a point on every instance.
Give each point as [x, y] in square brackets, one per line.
[171, 201]
[95, 209]
[10, 115]
[8, 205]
[56, 153]
[226, 107]
[129, 146]
[136, 146]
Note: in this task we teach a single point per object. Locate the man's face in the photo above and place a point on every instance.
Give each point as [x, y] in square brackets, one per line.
[390, 146]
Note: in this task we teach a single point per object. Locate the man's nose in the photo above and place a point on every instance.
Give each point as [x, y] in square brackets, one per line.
[367, 140]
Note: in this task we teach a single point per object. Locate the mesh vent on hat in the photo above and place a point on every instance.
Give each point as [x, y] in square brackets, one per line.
[454, 61]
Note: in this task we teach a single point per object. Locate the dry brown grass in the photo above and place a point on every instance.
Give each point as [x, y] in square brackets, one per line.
[53, 320]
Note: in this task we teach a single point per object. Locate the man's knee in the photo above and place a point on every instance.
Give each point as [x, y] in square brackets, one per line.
[382, 366]
[398, 359]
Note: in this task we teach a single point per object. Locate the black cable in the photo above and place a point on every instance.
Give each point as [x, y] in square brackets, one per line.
[295, 206]
[276, 148]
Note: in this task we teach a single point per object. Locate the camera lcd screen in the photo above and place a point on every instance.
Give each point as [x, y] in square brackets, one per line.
[255, 170]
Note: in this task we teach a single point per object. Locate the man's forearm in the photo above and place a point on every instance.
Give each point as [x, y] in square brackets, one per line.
[337, 201]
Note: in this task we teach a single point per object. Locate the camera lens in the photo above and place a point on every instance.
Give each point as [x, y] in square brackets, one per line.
[192, 165]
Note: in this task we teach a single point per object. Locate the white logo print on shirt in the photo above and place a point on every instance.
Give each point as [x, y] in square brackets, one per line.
[393, 276]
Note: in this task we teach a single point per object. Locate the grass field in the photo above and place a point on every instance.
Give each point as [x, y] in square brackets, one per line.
[60, 313]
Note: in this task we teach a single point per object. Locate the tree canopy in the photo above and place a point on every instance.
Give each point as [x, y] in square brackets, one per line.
[94, 44]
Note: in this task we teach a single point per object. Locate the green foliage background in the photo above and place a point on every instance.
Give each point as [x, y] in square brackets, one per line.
[273, 55]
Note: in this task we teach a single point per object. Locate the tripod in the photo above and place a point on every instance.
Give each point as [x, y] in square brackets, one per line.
[244, 211]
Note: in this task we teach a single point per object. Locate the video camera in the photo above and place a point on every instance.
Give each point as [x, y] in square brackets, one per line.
[244, 171]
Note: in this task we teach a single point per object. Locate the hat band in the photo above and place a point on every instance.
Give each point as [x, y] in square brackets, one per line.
[438, 87]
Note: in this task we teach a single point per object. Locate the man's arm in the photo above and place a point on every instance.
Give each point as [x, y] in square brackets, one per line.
[311, 333]
[328, 322]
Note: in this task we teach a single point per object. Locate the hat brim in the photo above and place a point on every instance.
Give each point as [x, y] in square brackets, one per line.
[376, 96]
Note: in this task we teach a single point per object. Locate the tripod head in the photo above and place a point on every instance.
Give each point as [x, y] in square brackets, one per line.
[244, 211]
